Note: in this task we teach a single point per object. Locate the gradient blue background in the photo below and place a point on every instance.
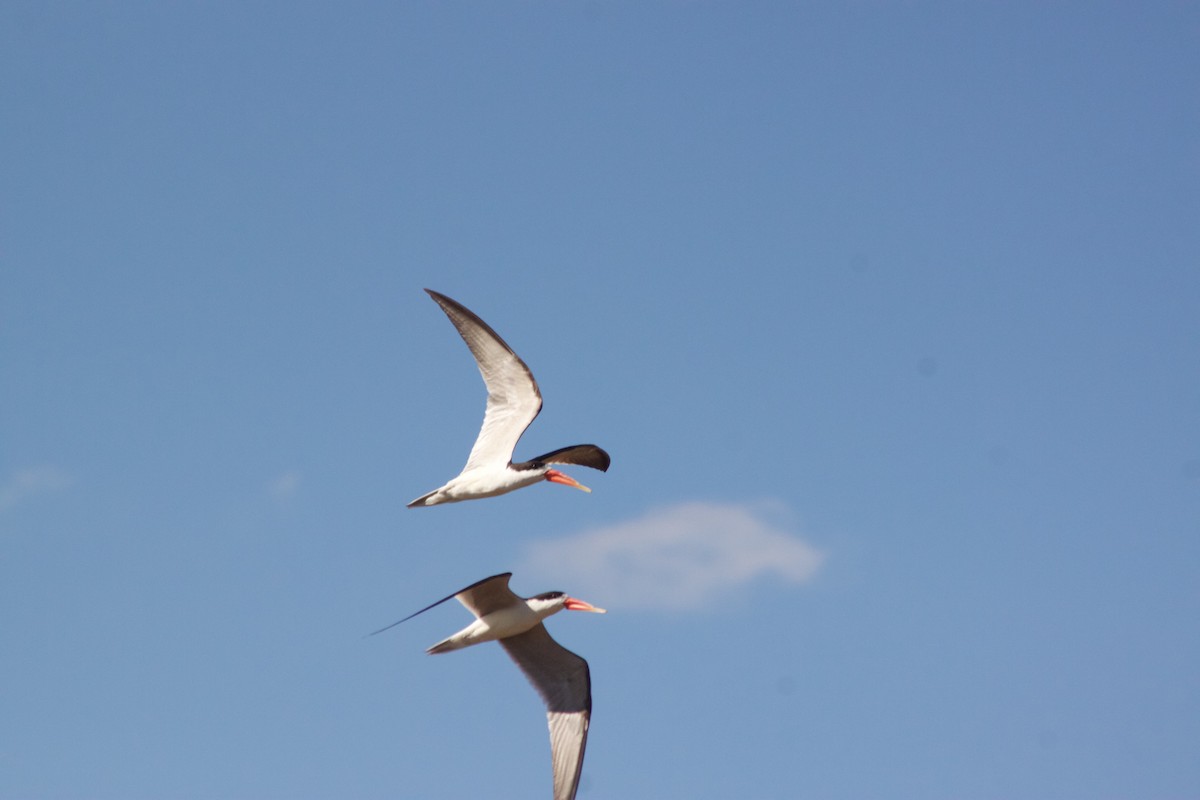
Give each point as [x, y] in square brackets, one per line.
[914, 284]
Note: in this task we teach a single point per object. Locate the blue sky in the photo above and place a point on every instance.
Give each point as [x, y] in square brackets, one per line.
[888, 314]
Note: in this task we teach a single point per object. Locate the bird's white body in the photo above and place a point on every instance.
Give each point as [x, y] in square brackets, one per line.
[501, 624]
[486, 480]
[513, 402]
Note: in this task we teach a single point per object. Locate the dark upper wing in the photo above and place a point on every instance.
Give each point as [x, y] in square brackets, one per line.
[493, 589]
[563, 681]
[584, 455]
[513, 396]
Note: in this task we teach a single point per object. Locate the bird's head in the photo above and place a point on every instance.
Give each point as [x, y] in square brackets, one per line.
[553, 602]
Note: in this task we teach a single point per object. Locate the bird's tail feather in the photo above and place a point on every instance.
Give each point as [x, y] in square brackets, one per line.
[423, 500]
[445, 646]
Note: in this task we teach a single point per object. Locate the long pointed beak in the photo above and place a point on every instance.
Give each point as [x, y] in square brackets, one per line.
[575, 604]
[554, 476]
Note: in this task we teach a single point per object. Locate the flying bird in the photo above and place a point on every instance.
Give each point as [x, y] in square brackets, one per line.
[513, 402]
[558, 675]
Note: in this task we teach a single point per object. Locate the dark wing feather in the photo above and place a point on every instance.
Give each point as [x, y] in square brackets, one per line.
[563, 681]
[487, 590]
[583, 455]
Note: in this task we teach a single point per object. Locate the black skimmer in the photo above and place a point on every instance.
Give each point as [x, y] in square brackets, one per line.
[513, 402]
[558, 675]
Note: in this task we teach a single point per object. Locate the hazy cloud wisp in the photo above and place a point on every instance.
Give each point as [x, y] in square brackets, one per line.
[678, 557]
[26, 482]
[285, 486]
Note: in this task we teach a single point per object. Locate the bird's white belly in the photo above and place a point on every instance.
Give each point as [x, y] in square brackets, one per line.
[510, 621]
[497, 625]
[487, 483]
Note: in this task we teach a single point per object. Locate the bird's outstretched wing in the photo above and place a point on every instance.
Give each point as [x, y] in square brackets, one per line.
[513, 396]
[583, 455]
[490, 594]
[563, 681]
[480, 598]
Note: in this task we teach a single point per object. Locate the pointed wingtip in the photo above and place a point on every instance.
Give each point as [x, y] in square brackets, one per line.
[386, 627]
[503, 575]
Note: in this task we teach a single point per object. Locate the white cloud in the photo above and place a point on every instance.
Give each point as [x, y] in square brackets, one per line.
[283, 487]
[678, 557]
[27, 482]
